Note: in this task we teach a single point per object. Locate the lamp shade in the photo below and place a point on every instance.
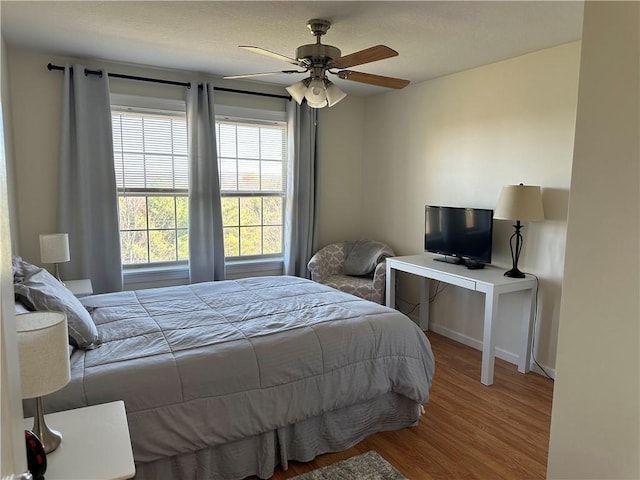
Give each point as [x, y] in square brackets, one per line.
[318, 92]
[298, 89]
[520, 202]
[43, 352]
[334, 94]
[54, 248]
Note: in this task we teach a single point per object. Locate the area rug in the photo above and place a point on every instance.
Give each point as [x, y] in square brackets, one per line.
[368, 466]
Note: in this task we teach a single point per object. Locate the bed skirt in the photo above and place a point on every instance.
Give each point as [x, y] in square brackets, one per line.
[260, 454]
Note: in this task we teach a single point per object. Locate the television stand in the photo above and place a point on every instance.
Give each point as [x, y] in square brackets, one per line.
[453, 260]
[489, 281]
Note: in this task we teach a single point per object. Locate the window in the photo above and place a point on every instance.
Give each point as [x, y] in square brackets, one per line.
[252, 165]
[150, 158]
[151, 164]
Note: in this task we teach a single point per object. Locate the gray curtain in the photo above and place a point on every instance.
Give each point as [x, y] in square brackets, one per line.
[88, 202]
[206, 241]
[301, 221]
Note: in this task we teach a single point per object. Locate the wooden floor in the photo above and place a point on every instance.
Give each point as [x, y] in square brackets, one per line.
[469, 430]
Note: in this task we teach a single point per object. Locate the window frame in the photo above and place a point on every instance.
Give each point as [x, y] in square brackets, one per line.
[152, 106]
[252, 116]
[145, 275]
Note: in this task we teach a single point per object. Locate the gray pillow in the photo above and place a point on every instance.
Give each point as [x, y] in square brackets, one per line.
[21, 268]
[20, 308]
[40, 290]
[363, 257]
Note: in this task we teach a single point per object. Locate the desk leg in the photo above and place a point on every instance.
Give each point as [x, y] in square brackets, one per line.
[424, 305]
[391, 287]
[526, 334]
[488, 341]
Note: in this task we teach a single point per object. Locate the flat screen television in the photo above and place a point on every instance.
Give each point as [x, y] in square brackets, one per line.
[462, 235]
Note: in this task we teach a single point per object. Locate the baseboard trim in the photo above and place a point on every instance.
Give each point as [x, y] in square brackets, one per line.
[549, 371]
[472, 342]
[477, 344]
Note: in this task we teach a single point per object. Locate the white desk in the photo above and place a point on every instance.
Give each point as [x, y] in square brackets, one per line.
[489, 280]
[95, 444]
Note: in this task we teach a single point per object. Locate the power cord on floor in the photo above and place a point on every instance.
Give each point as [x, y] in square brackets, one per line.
[400, 299]
[432, 298]
[535, 319]
[413, 306]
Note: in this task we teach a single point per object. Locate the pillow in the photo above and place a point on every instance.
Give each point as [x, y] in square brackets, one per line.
[21, 269]
[40, 290]
[363, 257]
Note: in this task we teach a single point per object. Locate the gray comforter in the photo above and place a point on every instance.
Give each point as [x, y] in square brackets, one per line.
[210, 363]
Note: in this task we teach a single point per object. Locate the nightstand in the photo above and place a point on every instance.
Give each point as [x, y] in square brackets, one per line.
[80, 288]
[95, 444]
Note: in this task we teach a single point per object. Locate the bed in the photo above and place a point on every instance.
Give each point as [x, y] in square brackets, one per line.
[229, 379]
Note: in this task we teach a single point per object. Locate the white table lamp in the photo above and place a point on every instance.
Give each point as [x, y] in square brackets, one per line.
[44, 364]
[522, 203]
[54, 248]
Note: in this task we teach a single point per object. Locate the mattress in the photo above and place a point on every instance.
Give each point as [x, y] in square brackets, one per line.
[212, 363]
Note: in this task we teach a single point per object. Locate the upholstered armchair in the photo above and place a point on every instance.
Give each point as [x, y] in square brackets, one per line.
[327, 266]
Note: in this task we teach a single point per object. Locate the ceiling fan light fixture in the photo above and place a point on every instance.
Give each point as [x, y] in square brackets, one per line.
[316, 92]
[319, 92]
[322, 104]
[298, 90]
[334, 94]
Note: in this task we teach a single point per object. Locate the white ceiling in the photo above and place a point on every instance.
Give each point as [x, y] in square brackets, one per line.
[433, 38]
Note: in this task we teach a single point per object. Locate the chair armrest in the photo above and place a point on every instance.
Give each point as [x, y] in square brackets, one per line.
[379, 281]
[326, 262]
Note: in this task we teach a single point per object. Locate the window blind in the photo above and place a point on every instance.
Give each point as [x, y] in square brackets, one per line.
[150, 151]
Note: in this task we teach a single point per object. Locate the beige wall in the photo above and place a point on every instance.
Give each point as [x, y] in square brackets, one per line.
[340, 143]
[456, 141]
[35, 97]
[8, 147]
[595, 425]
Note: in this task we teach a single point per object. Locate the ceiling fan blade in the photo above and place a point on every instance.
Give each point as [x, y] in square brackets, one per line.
[269, 53]
[368, 55]
[371, 79]
[249, 75]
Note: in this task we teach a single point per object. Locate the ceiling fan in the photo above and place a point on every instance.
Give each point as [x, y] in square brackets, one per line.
[320, 59]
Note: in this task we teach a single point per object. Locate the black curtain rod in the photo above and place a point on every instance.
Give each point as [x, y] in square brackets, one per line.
[51, 66]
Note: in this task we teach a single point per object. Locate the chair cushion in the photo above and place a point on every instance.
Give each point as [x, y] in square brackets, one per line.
[359, 286]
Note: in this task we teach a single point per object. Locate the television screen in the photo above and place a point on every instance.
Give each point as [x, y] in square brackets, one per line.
[463, 233]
